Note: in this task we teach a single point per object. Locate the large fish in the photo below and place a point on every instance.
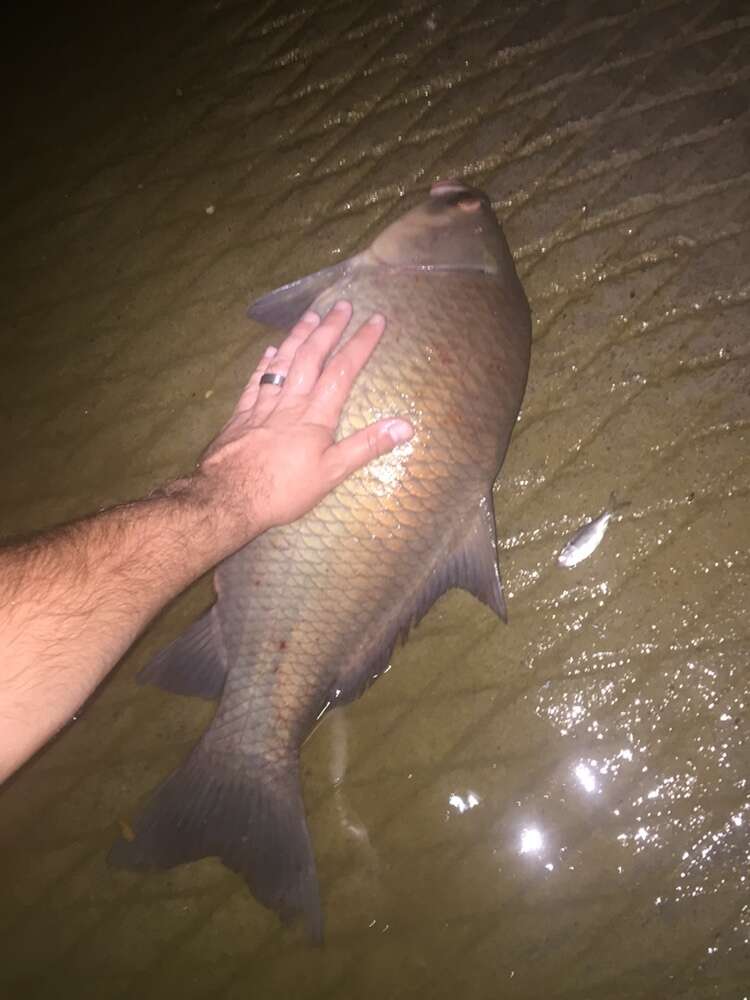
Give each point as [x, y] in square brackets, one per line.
[307, 615]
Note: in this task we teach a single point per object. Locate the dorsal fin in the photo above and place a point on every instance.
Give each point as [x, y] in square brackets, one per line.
[282, 307]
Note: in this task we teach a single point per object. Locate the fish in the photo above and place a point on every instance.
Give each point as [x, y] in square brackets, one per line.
[588, 537]
[307, 615]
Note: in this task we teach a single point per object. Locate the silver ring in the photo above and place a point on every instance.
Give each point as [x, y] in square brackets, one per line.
[272, 378]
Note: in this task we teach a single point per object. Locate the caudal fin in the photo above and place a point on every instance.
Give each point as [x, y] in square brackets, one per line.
[253, 819]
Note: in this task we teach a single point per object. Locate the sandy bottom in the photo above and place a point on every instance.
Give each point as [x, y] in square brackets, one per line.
[557, 808]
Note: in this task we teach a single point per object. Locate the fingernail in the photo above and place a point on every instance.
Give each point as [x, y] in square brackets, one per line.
[342, 306]
[269, 351]
[378, 320]
[399, 431]
[311, 317]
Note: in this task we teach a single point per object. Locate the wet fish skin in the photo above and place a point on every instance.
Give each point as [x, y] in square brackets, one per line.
[308, 614]
[588, 538]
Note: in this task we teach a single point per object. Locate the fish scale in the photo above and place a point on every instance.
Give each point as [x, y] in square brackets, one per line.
[335, 531]
[308, 613]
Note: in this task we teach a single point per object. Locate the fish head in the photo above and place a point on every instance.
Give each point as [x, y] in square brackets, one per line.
[454, 228]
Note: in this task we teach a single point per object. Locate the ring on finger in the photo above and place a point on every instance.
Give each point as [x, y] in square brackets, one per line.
[273, 378]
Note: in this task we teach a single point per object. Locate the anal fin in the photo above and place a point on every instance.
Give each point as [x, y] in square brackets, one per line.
[471, 565]
[474, 566]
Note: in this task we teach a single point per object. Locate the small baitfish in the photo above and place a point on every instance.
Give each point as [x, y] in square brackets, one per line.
[588, 538]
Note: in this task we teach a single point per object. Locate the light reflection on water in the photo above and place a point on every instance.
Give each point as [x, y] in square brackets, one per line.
[676, 792]
[462, 804]
[532, 840]
[586, 777]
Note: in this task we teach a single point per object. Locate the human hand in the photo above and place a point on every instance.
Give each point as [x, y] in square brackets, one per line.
[276, 457]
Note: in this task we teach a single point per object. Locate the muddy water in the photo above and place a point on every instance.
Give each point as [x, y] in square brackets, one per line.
[554, 808]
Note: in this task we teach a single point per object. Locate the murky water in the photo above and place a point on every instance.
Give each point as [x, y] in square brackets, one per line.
[556, 808]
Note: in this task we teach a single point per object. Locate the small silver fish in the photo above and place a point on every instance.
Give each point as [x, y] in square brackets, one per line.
[587, 538]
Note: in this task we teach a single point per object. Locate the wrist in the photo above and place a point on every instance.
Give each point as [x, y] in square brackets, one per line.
[219, 516]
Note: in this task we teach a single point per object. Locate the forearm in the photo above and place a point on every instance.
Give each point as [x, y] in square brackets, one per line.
[72, 601]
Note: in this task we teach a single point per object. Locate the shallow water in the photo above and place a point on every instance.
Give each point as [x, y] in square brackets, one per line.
[556, 808]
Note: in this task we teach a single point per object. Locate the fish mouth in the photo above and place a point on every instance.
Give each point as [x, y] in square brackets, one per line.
[454, 192]
[448, 187]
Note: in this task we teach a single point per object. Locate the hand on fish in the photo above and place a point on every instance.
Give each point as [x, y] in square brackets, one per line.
[277, 457]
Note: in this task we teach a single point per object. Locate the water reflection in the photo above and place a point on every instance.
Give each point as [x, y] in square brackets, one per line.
[349, 820]
[462, 804]
[532, 840]
[586, 777]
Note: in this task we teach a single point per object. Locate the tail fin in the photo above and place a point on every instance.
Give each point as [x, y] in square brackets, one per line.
[253, 819]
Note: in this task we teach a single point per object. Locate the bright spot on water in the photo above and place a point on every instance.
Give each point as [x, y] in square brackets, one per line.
[461, 805]
[532, 840]
[586, 777]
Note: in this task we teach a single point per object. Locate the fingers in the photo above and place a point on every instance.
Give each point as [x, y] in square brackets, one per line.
[267, 395]
[335, 383]
[299, 333]
[311, 355]
[363, 446]
[296, 337]
[250, 392]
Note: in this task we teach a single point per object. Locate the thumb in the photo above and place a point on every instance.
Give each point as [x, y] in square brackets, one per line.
[363, 446]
